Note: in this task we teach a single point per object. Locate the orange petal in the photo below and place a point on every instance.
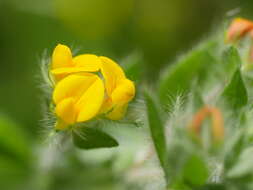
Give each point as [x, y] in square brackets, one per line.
[238, 28]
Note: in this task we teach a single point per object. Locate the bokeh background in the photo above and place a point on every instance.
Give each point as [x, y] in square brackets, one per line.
[155, 30]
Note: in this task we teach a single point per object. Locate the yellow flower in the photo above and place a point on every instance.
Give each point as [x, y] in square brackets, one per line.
[87, 86]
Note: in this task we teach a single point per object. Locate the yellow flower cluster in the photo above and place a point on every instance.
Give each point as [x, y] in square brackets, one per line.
[87, 86]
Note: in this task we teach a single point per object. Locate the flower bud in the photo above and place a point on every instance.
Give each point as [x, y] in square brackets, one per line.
[238, 29]
[217, 122]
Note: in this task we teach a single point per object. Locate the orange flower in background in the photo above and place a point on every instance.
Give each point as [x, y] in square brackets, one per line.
[238, 29]
[87, 86]
[217, 122]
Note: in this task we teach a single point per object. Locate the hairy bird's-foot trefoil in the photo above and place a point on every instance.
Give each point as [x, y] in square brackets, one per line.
[87, 86]
[198, 113]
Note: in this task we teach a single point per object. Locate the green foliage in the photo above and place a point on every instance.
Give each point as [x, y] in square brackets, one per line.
[231, 60]
[233, 149]
[156, 127]
[212, 76]
[91, 137]
[196, 164]
[179, 78]
[243, 166]
[235, 94]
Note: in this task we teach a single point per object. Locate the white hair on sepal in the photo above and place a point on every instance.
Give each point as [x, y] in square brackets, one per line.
[45, 64]
[173, 100]
[175, 116]
[45, 86]
[46, 82]
[43, 79]
[175, 105]
[49, 134]
[47, 125]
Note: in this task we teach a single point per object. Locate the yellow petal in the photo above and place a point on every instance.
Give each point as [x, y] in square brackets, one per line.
[73, 86]
[70, 70]
[112, 73]
[59, 77]
[66, 110]
[106, 106]
[120, 97]
[124, 92]
[87, 62]
[61, 73]
[118, 112]
[81, 63]
[91, 101]
[61, 57]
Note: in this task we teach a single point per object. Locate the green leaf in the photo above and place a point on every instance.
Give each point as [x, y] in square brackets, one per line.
[233, 148]
[90, 138]
[212, 187]
[235, 94]
[157, 130]
[231, 60]
[179, 185]
[244, 165]
[195, 171]
[180, 77]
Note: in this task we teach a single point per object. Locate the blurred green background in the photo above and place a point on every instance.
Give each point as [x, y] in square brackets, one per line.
[158, 30]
